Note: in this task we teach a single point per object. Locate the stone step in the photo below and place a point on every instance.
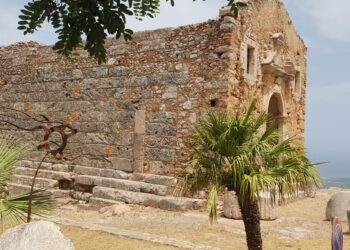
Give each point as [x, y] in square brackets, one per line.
[15, 188]
[163, 202]
[97, 203]
[153, 179]
[47, 174]
[128, 185]
[118, 174]
[45, 166]
[40, 182]
[101, 172]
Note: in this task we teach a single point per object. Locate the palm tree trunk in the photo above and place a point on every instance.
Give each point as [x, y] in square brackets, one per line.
[251, 218]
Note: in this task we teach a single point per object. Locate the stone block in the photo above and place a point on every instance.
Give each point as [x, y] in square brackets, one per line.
[162, 117]
[229, 19]
[176, 78]
[145, 199]
[227, 26]
[222, 49]
[159, 179]
[96, 72]
[119, 71]
[225, 11]
[231, 206]
[111, 173]
[122, 164]
[268, 211]
[131, 104]
[140, 120]
[338, 205]
[119, 184]
[170, 93]
[159, 167]
[162, 142]
[155, 154]
[38, 235]
[82, 170]
[161, 129]
[187, 105]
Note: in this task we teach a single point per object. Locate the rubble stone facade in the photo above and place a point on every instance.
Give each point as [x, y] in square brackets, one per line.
[138, 108]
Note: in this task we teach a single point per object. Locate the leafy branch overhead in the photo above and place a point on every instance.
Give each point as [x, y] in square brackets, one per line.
[92, 19]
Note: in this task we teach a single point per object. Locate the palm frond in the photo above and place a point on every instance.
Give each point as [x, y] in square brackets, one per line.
[13, 210]
[241, 153]
[11, 150]
[212, 204]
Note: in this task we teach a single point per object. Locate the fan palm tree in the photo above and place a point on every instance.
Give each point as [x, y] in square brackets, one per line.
[13, 209]
[241, 153]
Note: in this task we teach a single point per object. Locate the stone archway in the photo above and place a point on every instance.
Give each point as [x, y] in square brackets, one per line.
[275, 112]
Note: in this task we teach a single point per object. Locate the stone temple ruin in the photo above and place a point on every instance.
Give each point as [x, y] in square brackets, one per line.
[137, 110]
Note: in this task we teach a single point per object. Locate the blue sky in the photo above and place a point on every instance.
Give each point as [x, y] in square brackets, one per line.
[325, 27]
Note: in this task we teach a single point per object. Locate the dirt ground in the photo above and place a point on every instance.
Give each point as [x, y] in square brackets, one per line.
[301, 226]
[84, 239]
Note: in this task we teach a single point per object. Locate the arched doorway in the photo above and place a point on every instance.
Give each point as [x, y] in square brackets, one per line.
[275, 113]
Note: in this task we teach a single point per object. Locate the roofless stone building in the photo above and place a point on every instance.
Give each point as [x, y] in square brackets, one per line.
[138, 108]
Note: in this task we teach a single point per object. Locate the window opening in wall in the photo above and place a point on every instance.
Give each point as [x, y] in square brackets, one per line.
[297, 83]
[213, 102]
[275, 114]
[250, 60]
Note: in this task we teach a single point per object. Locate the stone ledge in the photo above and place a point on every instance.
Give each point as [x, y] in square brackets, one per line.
[163, 202]
[127, 185]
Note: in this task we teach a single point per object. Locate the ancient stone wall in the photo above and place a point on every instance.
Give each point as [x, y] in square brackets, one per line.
[138, 108]
[278, 66]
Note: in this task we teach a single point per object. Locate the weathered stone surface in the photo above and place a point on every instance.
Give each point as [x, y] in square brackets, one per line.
[40, 235]
[39, 182]
[231, 207]
[162, 202]
[337, 205]
[122, 164]
[229, 19]
[222, 49]
[268, 211]
[81, 196]
[140, 118]
[15, 188]
[48, 174]
[119, 71]
[225, 11]
[44, 166]
[161, 129]
[161, 154]
[129, 185]
[154, 179]
[170, 93]
[96, 72]
[151, 91]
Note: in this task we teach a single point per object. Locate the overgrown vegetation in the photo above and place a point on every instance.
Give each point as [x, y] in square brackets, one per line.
[236, 152]
[13, 209]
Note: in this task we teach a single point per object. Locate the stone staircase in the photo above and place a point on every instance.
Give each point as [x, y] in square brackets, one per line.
[97, 187]
[49, 178]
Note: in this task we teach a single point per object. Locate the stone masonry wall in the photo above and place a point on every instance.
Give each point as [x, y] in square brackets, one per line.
[138, 108]
[280, 65]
